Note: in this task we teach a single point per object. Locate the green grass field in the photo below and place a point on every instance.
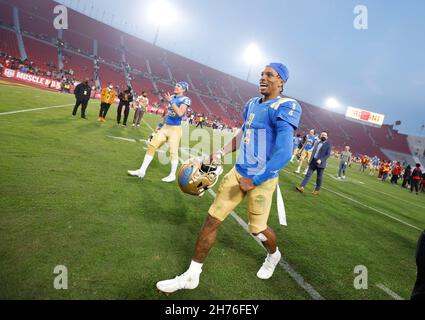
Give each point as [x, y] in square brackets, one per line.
[66, 199]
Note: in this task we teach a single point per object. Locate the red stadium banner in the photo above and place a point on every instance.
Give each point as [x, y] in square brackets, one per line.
[365, 117]
[30, 78]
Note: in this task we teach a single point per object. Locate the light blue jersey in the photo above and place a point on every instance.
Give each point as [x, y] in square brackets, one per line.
[267, 141]
[310, 141]
[172, 119]
[297, 141]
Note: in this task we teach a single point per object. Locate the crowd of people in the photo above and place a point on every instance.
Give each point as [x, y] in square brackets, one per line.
[411, 177]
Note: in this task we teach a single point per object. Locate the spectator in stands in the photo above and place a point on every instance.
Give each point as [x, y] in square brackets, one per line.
[126, 97]
[406, 176]
[107, 97]
[139, 106]
[395, 173]
[320, 154]
[82, 94]
[1, 68]
[344, 162]
[416, 178]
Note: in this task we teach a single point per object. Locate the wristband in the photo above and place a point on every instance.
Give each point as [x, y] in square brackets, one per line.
[160, 125]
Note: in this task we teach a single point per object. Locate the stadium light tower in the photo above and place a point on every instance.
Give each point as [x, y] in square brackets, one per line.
[252, 56]
[161, 12]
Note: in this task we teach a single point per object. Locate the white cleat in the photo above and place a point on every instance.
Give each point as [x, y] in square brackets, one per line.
[297, 171]
[184, 281]
[267, 269]
[169, 179]
[136, 173]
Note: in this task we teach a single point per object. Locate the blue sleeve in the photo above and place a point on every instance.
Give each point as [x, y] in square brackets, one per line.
[282, 152]
[187, 101]
[290, 112]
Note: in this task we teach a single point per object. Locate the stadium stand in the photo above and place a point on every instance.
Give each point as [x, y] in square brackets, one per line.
[6, 17]
[8, 42]
[214, 93]
[82, 66]
[41, 53]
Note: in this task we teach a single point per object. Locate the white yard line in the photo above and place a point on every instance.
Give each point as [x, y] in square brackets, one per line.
[344, 180]
[366, 206]
[388, 291]
[286, 266]
[36, 109]
[121, 138]
[399, 199]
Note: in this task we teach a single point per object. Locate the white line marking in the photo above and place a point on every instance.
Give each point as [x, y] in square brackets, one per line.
[286, 266]
[36, 109]
[364, 205]
[344, 180]
[121, 138]
[391, 293]
[400, 199]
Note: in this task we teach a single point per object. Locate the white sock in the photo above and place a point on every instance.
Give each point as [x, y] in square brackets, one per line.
[174, 165]
[274, 255]
[195, 267]
[292, 158]
[146, 162]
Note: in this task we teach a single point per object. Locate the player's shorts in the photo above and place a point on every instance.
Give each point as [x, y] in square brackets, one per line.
[296, 150]
[306, 155]
[230, 195]
[170, 134]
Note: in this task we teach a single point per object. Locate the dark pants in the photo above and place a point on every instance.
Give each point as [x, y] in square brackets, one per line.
[405, 180]
[83, 104]
[419, 289]
[311, 168]
[342, 168]
[200, 124]
[414, 184]
[394, 179]
[126, 112]
[104, 107]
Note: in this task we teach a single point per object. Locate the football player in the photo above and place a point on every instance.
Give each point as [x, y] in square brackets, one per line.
[169, 131]
[265, 142]
[297, 146]
[306, 149]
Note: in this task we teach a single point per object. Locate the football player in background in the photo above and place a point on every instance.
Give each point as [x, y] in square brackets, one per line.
[265, 144]
[306, 150]
[170, 131]
[297, 146]
[374, 164]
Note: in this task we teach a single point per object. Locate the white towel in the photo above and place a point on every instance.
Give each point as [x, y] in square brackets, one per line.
[281, 207]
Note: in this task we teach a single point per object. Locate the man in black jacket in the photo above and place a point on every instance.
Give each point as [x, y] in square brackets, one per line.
[126, 97]
[319, 156]
[82, 94]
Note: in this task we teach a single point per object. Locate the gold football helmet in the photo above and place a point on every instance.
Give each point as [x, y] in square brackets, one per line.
[195, 177]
